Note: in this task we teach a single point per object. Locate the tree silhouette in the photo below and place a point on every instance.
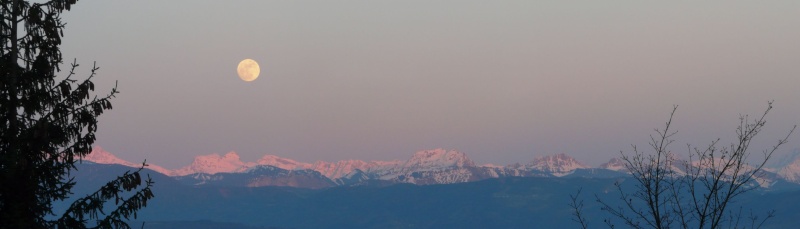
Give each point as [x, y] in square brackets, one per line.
[48, 124]
[698, 193]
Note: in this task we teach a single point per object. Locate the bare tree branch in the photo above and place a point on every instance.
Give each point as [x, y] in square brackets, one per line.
[696, 193]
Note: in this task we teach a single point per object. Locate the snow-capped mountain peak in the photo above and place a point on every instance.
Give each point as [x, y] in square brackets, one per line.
[615, 164]
[231, 156]
[558, 165]
[100, 156]
[340, 168]
[283, 163]
[791, 171]
[214, 163]
[789, 166]
[438, 158]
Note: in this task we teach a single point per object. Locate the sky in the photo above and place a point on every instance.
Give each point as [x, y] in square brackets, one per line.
[502, 81]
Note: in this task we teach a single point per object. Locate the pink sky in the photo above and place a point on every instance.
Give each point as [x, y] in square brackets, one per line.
[378, 80]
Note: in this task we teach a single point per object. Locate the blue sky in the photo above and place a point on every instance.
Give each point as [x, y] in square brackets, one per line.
[503, 81]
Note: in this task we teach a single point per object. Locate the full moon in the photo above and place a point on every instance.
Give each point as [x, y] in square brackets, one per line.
[248, 70]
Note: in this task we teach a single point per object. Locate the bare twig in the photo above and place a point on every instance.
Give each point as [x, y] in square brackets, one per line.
[697, 197]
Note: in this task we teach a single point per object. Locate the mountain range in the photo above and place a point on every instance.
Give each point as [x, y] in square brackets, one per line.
[437, 166]
[505, 202]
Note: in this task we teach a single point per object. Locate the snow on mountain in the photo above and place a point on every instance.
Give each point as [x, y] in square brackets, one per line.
[619, 165]
[332, 170]
[789, 167]
[763, 178]
[214, 163]
[424, 167]
[283, 163]
[259, 176]
[344, 167]
[437, 166]
[558, 165]
[437, 159]
[100, 156]
[679, 167]
[340, 168]
[353, 178]
[791, 172]
[615, 164]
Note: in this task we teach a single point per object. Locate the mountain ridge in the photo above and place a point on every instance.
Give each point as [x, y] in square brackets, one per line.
[436, 166]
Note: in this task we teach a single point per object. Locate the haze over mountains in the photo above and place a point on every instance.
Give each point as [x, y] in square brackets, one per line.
[437, 166]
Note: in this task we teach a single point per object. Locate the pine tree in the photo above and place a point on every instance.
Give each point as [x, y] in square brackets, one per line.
[48, 125]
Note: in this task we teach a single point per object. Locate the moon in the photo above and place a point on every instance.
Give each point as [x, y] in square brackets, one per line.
[248, 70]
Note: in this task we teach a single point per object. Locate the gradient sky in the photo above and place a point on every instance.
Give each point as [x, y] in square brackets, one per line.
[502, 81]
